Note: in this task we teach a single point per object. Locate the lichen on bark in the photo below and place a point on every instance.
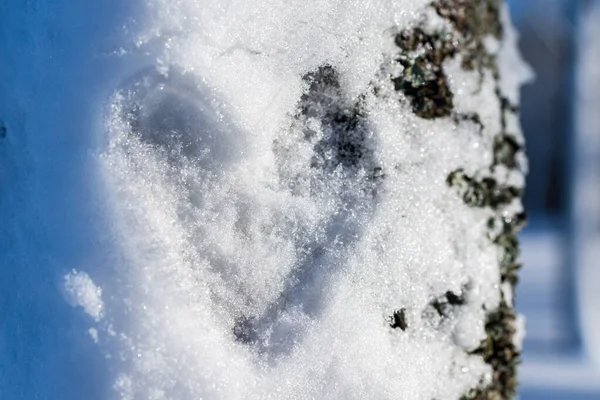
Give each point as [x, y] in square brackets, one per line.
[424, 83]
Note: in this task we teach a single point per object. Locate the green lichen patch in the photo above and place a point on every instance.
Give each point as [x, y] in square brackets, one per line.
[506, 148]
[505, 106]
[430, 98]
[423, 80]
[507, 227]
[422, 53]
[499, 351]
[474, 20]
[483, 192]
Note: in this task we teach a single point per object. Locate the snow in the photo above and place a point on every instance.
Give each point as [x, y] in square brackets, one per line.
[167, 159]
[514, 70]
[82, 292]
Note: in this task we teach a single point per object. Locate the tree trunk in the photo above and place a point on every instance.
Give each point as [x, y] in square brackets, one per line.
[426, 55]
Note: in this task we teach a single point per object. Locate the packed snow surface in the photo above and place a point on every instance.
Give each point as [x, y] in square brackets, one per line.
[158, 173]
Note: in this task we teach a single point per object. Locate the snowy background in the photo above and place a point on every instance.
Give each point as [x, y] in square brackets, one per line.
[71, 322]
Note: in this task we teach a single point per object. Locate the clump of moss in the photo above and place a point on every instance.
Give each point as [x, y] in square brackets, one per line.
[507, 227]
[423, 79]
[506, 149]
[498, 350]
[484, 192]
[474, 20]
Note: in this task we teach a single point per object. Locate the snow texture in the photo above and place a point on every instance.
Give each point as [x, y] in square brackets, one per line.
[236, 244]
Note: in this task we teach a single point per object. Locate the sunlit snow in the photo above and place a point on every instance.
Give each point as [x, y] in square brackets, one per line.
[170, 159]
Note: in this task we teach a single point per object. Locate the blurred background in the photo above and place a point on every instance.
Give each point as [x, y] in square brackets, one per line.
[559, 289]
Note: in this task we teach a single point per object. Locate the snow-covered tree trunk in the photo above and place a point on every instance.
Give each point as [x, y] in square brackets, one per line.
[289, 199]
[431, 55]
